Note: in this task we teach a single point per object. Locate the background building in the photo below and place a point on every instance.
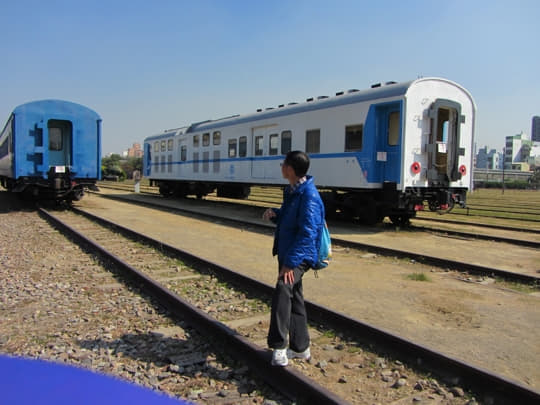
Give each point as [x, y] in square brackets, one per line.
[517, 152]
[535, 131]
[135, 151]
[489, 159]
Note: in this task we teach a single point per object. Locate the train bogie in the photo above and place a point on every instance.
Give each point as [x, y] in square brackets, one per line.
[51, 149]
[385, 151]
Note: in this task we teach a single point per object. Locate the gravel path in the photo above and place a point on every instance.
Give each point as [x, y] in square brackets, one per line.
[58, 303]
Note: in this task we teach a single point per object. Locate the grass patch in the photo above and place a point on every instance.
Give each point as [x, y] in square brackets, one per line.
[418, 277]
[516, 286]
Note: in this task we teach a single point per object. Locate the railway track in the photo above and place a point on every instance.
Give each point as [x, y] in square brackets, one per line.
[203, 311]
[272, 196]
[387, 251]
[165, 285]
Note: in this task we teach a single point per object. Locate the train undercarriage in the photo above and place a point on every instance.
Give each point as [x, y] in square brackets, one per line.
[372, 206]
[57, 186]
[368, 206]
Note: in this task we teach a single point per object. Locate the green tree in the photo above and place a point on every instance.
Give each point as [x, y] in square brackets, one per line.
[111, 166]
[534, 180]
[130, 164]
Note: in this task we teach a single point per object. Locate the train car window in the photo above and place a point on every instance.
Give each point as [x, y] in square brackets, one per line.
[216, 161]
[232, 148]
[259, 142]
[196, 162]
[206, 139]
[163, 146]
[183, 153]
[4, 150]
[353, 137]
[393, 128]
[286, 142]
[170, 143]
[162, 163]
[195, 141]
[156, 146]
[55, 139]
[242, 146]
[273, 145]
[205, 161]
[313, 141]
[169, 163]
[216, 138]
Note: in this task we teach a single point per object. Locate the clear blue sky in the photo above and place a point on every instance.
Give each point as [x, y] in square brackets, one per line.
[145, 66]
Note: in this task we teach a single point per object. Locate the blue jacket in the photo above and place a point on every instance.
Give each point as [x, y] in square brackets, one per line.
[299, 224]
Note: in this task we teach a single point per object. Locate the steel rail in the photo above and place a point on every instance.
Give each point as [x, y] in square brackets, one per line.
[286, 380]
[426, 259]
[517, 242]
[468, 375]
[492, 216]
[491, 226]
[475, 208]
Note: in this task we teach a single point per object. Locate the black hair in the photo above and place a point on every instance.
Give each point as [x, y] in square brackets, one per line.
[299, 161]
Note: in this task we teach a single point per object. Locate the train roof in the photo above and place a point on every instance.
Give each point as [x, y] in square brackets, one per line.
[377, 91]
[391, 89]
[57, 106]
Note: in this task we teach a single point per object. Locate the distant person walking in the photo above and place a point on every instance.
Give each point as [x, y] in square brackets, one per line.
[137, 180]
[299, 224]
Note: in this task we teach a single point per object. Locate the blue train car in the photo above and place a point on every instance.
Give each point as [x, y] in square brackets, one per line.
[51, 149]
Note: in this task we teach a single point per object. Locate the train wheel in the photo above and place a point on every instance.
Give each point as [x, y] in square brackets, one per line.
[77, 195]
[370, 213]
[401, 220]
[330, 205]
[165, 191]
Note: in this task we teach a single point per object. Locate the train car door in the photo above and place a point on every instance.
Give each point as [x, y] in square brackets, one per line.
[147, 159]
[388, 144]
[182, 154]
[444, 150]
[258, 136]
[60, 141]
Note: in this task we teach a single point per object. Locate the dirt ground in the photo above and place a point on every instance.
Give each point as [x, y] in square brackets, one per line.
[483, 323]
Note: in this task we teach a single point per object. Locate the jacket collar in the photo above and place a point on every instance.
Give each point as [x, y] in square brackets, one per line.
[300, 186]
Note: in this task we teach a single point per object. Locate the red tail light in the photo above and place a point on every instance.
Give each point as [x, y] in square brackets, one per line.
[463, 170]
[415, 168]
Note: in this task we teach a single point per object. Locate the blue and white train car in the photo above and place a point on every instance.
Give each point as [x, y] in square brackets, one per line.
[51, 149]
[379, 152]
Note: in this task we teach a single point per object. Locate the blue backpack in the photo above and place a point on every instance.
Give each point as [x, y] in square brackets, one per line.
[325, 249]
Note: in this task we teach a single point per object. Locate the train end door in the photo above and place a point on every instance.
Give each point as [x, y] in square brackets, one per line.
[147, 159]
[60, 143]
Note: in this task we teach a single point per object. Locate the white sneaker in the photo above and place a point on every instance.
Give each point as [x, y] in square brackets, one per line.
[305, 355]
[279, 357]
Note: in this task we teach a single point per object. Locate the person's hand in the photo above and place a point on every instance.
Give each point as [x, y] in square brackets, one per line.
[268, 214]
[287, 274]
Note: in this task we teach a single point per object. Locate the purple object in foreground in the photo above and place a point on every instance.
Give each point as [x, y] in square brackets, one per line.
[26, 381]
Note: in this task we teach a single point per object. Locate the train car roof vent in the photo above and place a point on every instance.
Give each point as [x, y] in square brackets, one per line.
[309, 99]
[281, 105]
[292, 103]
[259, 109]
[269, 108]
[373, 86]
[391, 82]
[322, 97]
[352, 90]
[340, 93]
